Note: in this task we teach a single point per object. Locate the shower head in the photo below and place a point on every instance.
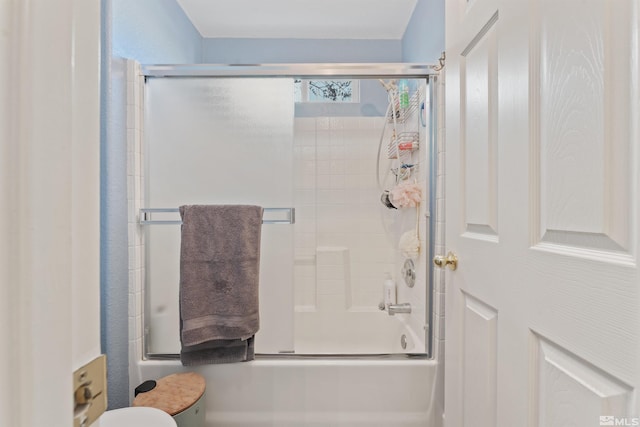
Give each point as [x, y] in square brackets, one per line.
[388, 86]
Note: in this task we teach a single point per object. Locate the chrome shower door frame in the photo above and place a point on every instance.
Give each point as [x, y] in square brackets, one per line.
[430, 72]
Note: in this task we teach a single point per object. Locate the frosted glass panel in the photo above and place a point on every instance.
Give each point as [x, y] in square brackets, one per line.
[219, 141]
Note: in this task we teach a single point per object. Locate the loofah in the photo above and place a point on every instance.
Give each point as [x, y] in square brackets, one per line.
[409, 245]
[406, 195]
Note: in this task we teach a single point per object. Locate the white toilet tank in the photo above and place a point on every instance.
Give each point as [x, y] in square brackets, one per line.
[136, 417]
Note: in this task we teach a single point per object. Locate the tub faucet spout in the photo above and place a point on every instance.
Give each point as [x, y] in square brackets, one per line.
[399, 308]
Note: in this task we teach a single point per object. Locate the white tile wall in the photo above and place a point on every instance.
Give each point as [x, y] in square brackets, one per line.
[440, 249]
[135, 196]
[333, 278]
[304, 172]
[440, 244]
[337, 205]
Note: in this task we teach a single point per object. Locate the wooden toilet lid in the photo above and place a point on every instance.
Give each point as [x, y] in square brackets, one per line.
[174, 393]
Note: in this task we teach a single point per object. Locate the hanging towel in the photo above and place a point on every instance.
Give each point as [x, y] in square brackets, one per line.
[219, 271]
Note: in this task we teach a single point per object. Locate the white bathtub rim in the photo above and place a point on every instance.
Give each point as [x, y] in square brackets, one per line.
[285, 361]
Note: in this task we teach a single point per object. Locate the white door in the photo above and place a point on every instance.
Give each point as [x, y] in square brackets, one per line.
[49, 205]
[542, 211]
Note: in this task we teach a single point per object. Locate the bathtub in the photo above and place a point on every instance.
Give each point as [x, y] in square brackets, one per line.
[274, 391]
[369, 332]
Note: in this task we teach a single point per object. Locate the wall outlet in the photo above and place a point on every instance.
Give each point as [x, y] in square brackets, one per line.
[90, 392]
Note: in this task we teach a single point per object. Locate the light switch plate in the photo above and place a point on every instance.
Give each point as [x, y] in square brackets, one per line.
[90, 392]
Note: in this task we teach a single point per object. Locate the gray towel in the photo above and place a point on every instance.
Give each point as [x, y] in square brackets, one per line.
[219, 270]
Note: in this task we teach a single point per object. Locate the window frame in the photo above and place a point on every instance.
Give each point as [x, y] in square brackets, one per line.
[305, 91]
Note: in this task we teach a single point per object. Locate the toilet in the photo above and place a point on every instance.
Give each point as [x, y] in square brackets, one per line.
[136, 417]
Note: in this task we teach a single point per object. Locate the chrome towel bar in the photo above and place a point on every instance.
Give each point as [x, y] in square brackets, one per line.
[270, 216]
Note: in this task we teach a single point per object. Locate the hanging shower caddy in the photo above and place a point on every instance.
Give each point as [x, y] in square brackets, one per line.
[400, 136]
[403, 117]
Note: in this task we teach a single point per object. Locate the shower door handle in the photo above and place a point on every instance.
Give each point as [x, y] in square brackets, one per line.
[451, 261]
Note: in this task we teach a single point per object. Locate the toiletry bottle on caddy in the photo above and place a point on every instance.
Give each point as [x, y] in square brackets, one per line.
[389, 290]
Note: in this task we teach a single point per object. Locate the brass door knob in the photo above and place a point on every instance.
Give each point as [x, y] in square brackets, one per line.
[451, 261]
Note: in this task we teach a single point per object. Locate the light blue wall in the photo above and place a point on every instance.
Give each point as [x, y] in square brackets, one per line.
[423, 42]
[423, 39]
[114, 277]
[149, 31]
[154, 32]
[114, 274]
[274, 51]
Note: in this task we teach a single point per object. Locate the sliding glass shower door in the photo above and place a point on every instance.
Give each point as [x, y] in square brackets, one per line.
[218, 141]
[344, 170]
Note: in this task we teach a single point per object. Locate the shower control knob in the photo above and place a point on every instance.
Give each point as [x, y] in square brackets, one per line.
[451, 261]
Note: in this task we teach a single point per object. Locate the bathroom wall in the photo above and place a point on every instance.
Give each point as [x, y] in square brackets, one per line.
[114, 239]
[154, 32]
[266, 51]
[136, 262]
[337, 206]
[439, 291]
[423, 40]
[150, 31]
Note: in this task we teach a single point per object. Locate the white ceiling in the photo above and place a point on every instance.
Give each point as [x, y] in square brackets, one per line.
[316, 19]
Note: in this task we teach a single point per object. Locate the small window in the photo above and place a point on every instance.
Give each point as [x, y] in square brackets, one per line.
[326, 90]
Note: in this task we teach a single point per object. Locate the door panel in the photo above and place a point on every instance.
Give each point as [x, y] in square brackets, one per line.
[581, 127]
[478, 69]
[479, 363]
[570, 391]
[542, 211]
